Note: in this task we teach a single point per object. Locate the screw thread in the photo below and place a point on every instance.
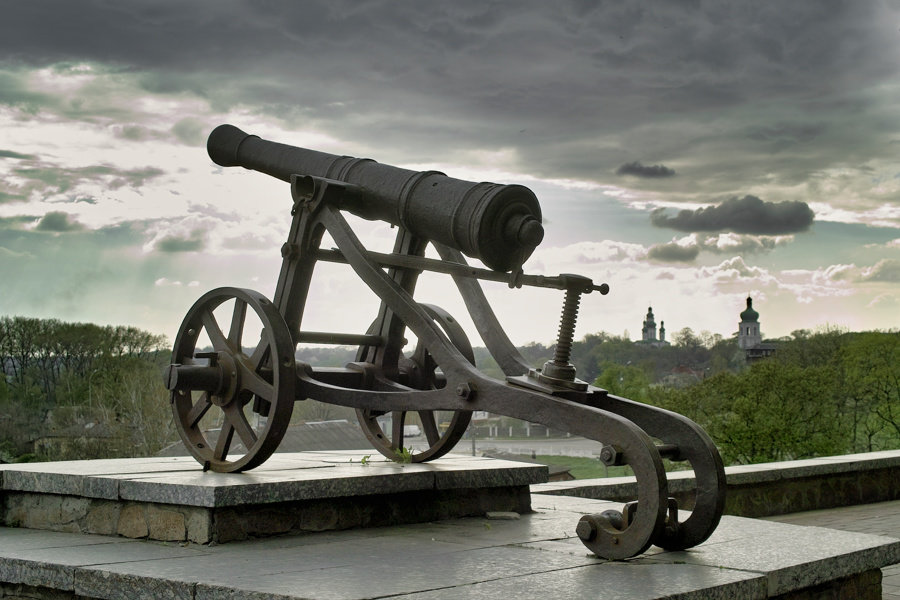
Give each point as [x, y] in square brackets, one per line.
[567, 327]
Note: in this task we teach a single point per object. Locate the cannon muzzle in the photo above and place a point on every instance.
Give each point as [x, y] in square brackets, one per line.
[498, 224]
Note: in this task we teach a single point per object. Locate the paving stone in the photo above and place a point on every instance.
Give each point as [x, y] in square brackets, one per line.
[285, 477]
[88, 478]
[458, 558]
[537, 555]
[45, 560]
[383, 576]
[14, 539]
[613, 581]
[500, 515]
[93, 583]
[36, 572]
[573, 504]
[792, 559]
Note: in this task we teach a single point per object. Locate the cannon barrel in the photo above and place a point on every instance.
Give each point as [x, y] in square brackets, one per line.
[498, 224]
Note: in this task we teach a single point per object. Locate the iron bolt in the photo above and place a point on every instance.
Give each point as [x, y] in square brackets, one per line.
[610, 456]
[586, 530]
[464, 390]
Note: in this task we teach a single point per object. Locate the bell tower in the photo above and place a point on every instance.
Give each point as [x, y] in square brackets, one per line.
[648, 333]
[749, 334]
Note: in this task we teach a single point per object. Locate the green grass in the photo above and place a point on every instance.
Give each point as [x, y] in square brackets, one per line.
[584, 467]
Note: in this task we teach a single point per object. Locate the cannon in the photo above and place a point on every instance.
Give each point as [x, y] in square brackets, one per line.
[250, 379]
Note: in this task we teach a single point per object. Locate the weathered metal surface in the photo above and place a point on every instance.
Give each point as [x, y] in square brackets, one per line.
[500, 224]
[230, 384]
[252, 390]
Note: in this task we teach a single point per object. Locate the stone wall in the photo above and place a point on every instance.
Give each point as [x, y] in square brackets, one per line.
[203, 525]
[769, 489]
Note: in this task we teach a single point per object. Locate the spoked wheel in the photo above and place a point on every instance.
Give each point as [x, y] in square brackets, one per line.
[230, 390]
[440, 430]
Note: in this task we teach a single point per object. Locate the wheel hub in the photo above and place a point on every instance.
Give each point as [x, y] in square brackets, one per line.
[230, 380]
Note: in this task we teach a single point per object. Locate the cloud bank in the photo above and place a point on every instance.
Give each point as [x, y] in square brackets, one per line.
[740, 215]
[638, 170]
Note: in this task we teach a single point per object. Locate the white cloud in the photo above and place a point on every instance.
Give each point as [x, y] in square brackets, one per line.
[166, 282]
[464, 88]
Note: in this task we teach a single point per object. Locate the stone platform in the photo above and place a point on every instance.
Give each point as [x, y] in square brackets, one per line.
[173, 499]
[501, 555]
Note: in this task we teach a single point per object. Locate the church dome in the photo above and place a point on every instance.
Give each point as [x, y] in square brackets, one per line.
[749, 314]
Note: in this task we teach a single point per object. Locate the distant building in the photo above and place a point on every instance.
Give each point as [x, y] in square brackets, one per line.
[750, 335]
[648, 332]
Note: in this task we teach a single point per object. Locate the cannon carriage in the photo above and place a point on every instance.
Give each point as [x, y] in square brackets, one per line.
[251, 379]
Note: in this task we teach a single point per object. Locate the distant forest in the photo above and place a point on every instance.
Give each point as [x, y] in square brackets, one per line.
[76, 390]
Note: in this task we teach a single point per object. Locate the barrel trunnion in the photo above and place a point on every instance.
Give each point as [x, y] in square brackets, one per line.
[250, 380]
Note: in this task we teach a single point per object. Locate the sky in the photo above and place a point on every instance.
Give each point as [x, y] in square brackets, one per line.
[687, 153]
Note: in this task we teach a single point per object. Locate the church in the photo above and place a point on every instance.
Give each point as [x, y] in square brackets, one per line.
[648, 333]
[750, 335]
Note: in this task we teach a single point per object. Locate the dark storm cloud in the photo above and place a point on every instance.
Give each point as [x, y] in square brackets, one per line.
[570, 86]
[638, 170]
[64, 179]
[610, 55]
[740, 215]
[673, 252]
[31, 230]
[58, 222]
[190, 131]
[783, 134]
[19, 155]
[16, 223]
[44, 178]
[193, 241]
[687, 249]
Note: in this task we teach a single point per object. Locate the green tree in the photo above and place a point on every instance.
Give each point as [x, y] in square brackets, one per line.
[59, 377]
[871, 364]
[769, 412]
[624, 380]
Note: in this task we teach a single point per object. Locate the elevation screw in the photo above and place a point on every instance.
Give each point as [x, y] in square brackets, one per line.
[559, 367]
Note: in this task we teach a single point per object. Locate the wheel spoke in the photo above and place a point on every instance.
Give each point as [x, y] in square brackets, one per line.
[254, 398]
[426, 363]
[215, 332]
[224, 441]
[198, 410]
[397, 418]
[253, 382]
[429, 425]
[260, 354]
[427, 375]
[235, 417]
[237, 324]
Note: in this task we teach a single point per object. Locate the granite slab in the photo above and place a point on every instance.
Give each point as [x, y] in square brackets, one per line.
[285, 477]
[807, 557]
[736, 474]
[536, 555]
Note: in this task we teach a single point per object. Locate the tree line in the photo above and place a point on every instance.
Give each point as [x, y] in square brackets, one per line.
[79, 390]
[826, 393]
